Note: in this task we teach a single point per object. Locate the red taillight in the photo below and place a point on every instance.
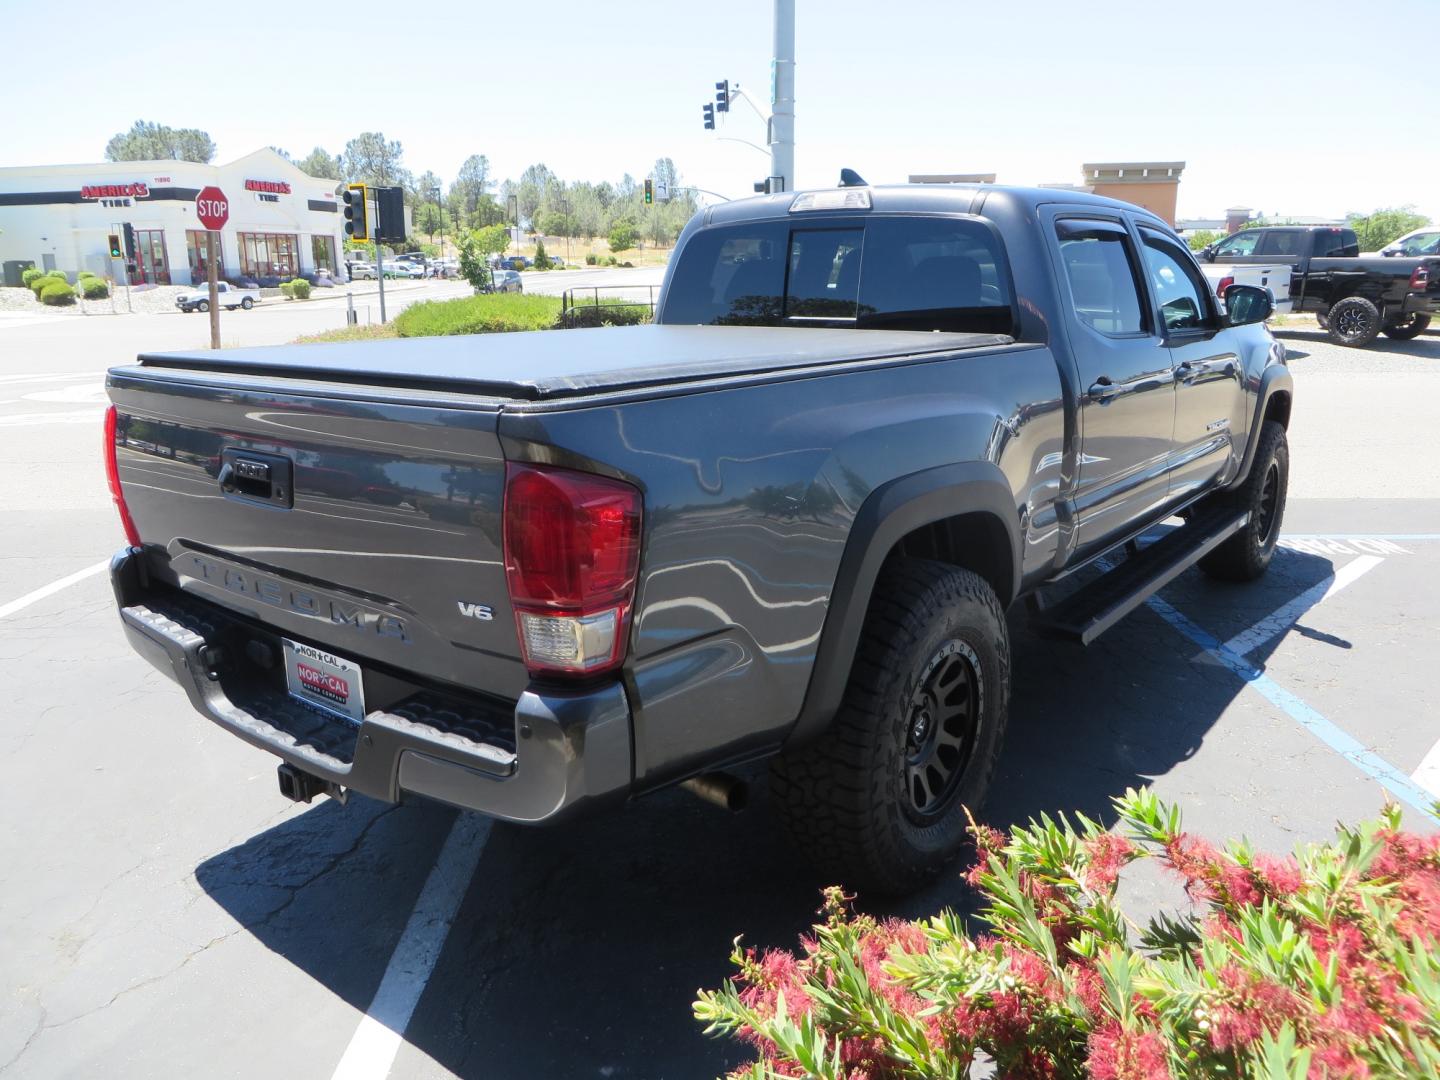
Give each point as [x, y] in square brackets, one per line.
[1225, 283]
[1420, 279]
[572, 552]
[112, 474]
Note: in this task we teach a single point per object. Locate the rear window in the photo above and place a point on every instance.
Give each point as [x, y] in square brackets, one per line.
[880, 273]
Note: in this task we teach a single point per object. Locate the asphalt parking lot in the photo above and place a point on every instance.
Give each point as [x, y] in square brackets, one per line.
[164, 911]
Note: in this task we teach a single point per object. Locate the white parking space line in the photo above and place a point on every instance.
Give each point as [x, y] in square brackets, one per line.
[78, 416]
[376, 1041]
[50, 590]
[1285, 616]
[1428, 774]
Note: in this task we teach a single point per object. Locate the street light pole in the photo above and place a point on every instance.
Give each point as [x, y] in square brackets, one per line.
[782, 97]
[440, 213]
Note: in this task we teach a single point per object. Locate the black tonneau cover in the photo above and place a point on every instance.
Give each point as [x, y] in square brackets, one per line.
[537, 366]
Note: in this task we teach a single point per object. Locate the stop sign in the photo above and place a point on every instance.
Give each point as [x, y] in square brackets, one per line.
[212, 208]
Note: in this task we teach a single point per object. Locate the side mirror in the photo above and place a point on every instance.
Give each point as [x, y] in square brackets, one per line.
[1246, 304]
[1390, 252]
[1208, 253]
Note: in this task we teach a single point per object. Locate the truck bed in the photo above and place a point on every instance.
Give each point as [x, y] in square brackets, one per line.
[536, 366]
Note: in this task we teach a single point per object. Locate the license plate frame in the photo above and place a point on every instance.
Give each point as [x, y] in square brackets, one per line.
[324, 680]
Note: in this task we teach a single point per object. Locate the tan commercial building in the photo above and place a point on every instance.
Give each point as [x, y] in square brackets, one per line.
[1151, 184]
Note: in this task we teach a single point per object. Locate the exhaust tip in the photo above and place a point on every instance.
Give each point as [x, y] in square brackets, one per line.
[719, 789]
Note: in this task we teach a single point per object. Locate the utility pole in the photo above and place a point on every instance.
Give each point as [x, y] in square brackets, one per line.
[782, 97]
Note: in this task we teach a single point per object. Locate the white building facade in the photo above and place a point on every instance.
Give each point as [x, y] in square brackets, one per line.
[283, 222]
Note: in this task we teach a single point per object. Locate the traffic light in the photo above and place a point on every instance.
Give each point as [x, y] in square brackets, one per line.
[129, 231]
[709, 117]
[389, 215]
[649, 191]
[722, 96]
[116, 251]
[357, 225]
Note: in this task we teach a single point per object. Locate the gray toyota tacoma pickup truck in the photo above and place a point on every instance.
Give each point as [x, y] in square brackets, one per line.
[532, 574]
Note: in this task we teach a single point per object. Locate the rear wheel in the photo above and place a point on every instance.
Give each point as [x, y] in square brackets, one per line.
[1408, 327]
[247, 303]
[1354, 321]
[878, 801]
[1247, 554]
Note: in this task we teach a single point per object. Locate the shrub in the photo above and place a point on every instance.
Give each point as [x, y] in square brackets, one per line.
[38, 285]
[628, 265]
[623, 236]
[484, 314]
[300, 289]
[590, 259]
[94, 288]
[30, 275]
[1323, 964]
[83, 274]
[287, 289]
[58, 275]
[611, 260]
[542, 261]
[621, 314]
[57, 293]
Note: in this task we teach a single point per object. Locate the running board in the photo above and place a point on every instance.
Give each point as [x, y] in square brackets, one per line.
[1087, 613]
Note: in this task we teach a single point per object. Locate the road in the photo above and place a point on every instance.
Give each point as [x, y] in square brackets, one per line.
[165, 912]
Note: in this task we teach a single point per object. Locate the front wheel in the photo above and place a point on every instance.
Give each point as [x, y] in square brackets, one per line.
[1247, 554]
[878, 802]
[1409, 327]
[1354, 321]
[203, 305]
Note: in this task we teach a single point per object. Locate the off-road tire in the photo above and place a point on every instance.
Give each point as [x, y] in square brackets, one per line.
[1411, 327]
[847, 799]
[1247, 554]
[1353, 321]
[1323, 320]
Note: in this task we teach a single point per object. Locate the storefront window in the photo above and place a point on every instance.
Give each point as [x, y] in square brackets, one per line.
[197, 246]
[269, 255]
[151, 265]
[322, 252]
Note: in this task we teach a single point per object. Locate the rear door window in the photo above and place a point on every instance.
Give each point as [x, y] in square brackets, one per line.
[1281, 244]
[900, 273]
[1101, 270]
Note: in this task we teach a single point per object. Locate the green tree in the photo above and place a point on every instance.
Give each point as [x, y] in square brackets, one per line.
[371, 159]
[319, 162]
[1203, 239]
[470, 189]
[623, 235]
[1380, 227]
[147, 141]
[476, 247]
[542, 261]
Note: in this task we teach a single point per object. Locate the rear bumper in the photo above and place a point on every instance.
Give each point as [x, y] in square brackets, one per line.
[554, 753]
[1422, 304]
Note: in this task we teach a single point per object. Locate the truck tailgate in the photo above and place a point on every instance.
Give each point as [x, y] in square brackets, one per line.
[368, 524]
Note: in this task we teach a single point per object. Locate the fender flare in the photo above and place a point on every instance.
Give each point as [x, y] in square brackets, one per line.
[1276, 378]
[889, 513]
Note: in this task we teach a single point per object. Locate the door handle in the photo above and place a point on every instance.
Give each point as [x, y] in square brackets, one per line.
[1103, 389]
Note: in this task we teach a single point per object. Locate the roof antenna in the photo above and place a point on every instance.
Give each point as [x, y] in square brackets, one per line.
[851, 178]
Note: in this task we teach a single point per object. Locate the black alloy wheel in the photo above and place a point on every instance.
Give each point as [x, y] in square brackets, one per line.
[943, 722]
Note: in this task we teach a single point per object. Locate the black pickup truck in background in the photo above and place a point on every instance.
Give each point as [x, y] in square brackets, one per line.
[530, 574]
[1354, 297]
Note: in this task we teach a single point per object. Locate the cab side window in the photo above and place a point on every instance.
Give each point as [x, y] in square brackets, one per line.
[1241, 244]
[1282, 243]
[1099, 266]
[1178, 287]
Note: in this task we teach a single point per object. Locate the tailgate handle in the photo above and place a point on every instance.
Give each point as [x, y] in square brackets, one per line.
[255, 477]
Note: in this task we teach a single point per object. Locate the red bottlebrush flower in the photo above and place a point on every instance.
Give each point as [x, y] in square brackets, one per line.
[1281, 877]
[1117, 1054]
[1090, 989]
[1239, 884]
[1251, 1005]
[1107, 853]
[1196, 861]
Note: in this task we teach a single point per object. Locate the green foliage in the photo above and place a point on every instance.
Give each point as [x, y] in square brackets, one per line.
[58, 275]
[542, 261]
[83, 274]
[146, 141]
[1203, 239]
[476, 247]
[287, 289]
[606, 314]
[56, 293]
[485, 314]
[38, 284]
[623, 236]
[1381, 227]
[300, 289]
[30, 275]
[610, 260]
[590, 259]
[360, 332]
[320, 163]
[370, 158]
[94, 288]
[1324, 964]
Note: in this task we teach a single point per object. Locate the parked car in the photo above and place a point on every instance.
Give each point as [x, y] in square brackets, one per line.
[504, 281]
[360, 270]
[230, 297]
[403, 269]
[1420, 242]
[744, 532]
[1354, 297]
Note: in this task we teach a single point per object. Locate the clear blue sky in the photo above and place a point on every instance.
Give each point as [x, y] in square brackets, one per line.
[1319, 107]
